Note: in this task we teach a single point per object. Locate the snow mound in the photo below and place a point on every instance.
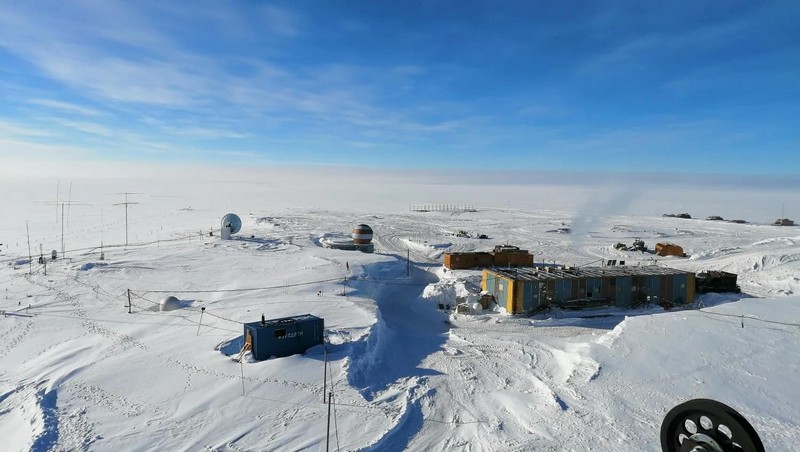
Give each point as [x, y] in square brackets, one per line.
[448, 292]
[28, 420]
[431, 250]
[609, 338]
[90, 265]
[771, 261]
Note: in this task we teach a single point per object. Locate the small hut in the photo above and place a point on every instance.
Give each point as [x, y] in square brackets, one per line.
[283, 337]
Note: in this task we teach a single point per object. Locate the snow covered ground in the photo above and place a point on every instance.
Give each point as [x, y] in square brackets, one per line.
[78, 372]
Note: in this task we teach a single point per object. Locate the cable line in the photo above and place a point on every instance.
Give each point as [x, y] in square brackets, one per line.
[749, 317]
[244, 289]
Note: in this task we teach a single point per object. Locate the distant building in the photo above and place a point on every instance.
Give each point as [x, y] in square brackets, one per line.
[361, 240]
[522, 290]
[669, 249]
[502, 256]
[783, 222]
[717, 281]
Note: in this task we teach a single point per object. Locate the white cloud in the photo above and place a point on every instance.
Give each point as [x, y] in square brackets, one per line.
[83, 126]
[129, 63]
[15, 129]
[65, 106]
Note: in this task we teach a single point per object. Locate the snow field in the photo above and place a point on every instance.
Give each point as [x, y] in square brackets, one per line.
[77, 372]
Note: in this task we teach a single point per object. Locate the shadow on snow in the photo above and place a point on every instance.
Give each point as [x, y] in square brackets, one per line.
[407, 330]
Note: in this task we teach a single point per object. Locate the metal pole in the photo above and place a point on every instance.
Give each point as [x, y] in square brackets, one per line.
[129, 301]
[325, 376]
[58, 193]
[63, 253]
[408, 262]
[241, 364]
[69, 198]
[126, 219]
[200, 323]
[328, 432]
[30, 257]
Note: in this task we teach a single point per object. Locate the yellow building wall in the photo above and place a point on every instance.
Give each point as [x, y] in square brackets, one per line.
[518, 289]
[510, 295]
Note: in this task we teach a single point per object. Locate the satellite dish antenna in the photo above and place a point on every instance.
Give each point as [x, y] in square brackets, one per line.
[231, 224]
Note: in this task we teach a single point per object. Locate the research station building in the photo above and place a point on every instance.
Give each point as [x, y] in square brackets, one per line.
[527, 289]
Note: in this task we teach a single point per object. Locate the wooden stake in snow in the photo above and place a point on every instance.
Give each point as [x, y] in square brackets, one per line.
[129, 301]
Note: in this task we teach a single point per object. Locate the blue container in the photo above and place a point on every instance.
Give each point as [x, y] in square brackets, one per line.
[285, 336]
[623, 297]
[653, 288]
[594, 288]
[530, 295]
[679, 292]
[563, 290]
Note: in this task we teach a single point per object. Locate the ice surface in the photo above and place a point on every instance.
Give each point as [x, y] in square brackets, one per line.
[78, 372]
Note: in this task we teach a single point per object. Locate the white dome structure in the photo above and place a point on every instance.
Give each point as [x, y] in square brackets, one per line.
[362, 234]
[169, 303]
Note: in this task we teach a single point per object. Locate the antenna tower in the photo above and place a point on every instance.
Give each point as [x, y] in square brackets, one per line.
[62, 204]
[102, 226]
[126, 204]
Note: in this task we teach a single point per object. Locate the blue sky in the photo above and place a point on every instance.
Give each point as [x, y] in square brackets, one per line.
[655, 86]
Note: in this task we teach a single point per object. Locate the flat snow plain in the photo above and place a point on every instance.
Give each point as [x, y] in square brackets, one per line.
[78, 372]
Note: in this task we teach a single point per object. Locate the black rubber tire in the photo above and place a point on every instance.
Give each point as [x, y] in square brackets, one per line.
[744, 437]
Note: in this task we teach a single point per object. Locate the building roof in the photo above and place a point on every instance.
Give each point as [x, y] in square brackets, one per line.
[283, 321]
[538, 273]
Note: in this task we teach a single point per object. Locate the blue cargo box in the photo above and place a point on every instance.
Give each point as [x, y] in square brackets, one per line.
[285, 336]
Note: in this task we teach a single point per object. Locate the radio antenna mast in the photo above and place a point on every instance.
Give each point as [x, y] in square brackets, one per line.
[69, 200]
[126, 204]
[58, 193]
[62, 204]
[102, 256]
